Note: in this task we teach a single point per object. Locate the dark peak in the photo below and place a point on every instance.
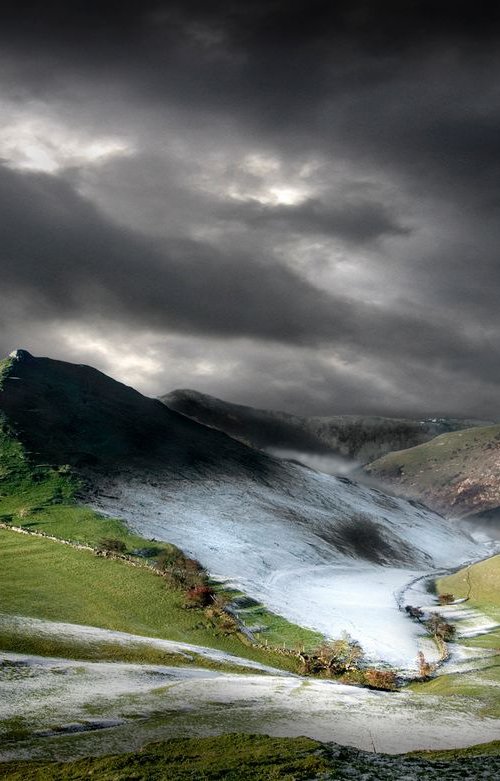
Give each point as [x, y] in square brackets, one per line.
[66, 413]
[21, 355]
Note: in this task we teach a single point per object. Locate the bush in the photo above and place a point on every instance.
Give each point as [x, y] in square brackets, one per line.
[199, 596]
[112, 545]
[227, 624]
[193, 566]
[381, 679]
[425, 668]
[439, 627]
[446, 599]
[168, 558]
[335, 658]
[180, 571]
[414, 612]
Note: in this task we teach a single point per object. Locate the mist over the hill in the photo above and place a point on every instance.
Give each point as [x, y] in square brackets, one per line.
[331, 465]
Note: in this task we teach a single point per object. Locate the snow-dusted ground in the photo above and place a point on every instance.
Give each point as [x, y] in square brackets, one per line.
[35, 627]
[311, 548]
[53, 695]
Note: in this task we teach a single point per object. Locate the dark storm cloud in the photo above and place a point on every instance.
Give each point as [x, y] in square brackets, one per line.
[411, 85]
[356, 222]
[67, 258]
[404, 94]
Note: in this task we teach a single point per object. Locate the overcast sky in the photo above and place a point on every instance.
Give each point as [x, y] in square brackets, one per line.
[286, 204]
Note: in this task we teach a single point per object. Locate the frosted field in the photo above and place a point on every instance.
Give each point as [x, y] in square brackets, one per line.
[88, 635]
[320, 551]
[135, 703]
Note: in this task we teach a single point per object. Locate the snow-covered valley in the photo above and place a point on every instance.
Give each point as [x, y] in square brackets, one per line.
[322, 551]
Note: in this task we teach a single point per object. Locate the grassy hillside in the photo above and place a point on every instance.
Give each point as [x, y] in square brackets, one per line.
[231, 757]
[44, 498]
[68, 413]
[238, 757]
[480, 583]
[43, 579]
[456, 473]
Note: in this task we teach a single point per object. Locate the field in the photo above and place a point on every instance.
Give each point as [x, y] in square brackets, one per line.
[479, 583]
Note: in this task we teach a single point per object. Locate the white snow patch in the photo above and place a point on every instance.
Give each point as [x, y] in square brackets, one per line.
[48, 692]
[92, 634]
[286, 547]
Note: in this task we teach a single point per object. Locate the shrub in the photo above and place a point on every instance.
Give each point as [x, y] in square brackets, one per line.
[180, 571]
[380, 679]
[168, 558]
[335, 658]
[227, 623]
[344, 654]
[439, 627]
[414, 612]
[193, 566]
[199, 596]
[353, 678]
[175, 578]
[446, 599]
[111, 545]
[425, 668]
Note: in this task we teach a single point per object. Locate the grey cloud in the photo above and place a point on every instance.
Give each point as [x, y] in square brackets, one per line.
[62, 252]
[404, 93]
[68, 260]
[355, 221]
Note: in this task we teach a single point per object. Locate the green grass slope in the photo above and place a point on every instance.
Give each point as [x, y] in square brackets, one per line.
[480, 584]
[43, 579]
[456, 473]
[237, 757]
[230, 757]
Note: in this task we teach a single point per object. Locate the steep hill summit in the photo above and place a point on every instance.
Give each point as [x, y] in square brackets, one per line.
[75, 414]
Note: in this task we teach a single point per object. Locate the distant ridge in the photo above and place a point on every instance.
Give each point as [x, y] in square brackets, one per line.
[358, 437]
[457, 473]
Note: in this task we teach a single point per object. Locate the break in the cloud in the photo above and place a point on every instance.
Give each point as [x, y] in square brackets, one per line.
[287, 204]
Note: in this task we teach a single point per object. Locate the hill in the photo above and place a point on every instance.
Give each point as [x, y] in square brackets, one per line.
[324, 552]
[456, 473]
[356, 437]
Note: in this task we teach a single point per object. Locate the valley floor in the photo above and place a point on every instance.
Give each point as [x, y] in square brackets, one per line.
[243, 541]
[60, 708]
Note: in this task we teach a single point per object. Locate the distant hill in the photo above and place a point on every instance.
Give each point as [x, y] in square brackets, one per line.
[357, 437]
[456, 473]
